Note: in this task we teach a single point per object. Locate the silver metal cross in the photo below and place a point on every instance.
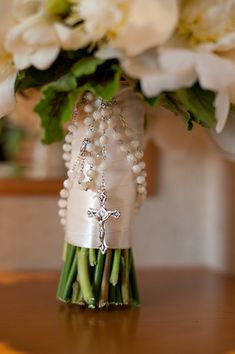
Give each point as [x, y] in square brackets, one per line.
[102, 215]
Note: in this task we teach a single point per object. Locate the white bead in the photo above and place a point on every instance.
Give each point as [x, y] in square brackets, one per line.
[142, 165]
[90, 133]
[131, 158]
[71, 173]
[66, 156]
[136, 169]
[63, 221]
[67, 147]
[64, 193]
[91, 173]
[88, 121]
[90, 160]
[139, 154]
[81, 176]
[111, 123]
[104, 140]
[117, 135]
[68, 138]
[62, 203]
[141, 189]
[140, 179]
[67, 164]
[62, 212]
[134, 143]
[128, 132]
[104, 112]
[103, 125]
[98, 102]
[97, 142]
[116, 110]
[102, 166]
[89, 96]
[90, 147]
[72, 128]
[96, 115]
[124, 148]
[67, 184]
[88, 108]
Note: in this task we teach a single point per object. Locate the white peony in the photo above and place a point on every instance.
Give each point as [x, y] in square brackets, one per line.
[7, 82]
[201, 49]
[130, 26]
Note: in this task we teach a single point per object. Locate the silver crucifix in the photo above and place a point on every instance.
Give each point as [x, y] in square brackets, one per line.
[102, 215]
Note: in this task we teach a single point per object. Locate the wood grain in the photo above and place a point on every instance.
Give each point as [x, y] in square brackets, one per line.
[183, 312]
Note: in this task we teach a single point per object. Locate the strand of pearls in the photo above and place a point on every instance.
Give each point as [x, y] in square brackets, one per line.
[103, 121]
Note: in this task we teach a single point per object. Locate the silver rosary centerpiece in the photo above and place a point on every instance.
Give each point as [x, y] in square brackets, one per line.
[102, 215]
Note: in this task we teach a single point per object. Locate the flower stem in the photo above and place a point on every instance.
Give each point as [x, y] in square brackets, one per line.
[84, 278]
[104, 291]
[98, 275]
[133, 281]
[68, 260]
[125, 277]
[115, 267]
[92, 257]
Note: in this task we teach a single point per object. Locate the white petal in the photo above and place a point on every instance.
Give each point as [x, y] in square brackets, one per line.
[43, 57]
[7, 94]
[222, 105]
[147, 25]
[72, 39]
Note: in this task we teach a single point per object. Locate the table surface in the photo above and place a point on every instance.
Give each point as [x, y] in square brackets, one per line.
[182, 312]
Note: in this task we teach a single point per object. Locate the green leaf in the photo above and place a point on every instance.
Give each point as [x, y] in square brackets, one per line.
[86, 66]
[55, 109]
[65, 84]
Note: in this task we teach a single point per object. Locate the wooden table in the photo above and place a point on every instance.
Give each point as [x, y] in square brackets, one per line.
[183, 312]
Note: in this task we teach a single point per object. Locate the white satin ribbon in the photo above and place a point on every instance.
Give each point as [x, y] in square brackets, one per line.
[83, 231]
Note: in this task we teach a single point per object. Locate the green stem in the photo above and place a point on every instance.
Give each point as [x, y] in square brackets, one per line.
[70, 279]
[92, 257]
[68, 260]
[125, 277]
[84, 278]
[133, 281]
[98, 275]
[104, 292]
[115, 267]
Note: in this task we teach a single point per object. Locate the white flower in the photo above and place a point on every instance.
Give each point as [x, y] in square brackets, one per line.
[7, 82]
[33, 41]
[131, 26]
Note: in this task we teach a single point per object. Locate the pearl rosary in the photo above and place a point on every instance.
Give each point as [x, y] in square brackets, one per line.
[104, 122]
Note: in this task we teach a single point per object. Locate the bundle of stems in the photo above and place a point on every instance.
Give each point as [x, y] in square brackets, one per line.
[93, 279]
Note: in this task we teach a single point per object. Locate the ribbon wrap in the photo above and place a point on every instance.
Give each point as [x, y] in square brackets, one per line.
[83, 231]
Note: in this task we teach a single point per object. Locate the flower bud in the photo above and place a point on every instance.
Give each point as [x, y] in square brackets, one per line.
[58, 7]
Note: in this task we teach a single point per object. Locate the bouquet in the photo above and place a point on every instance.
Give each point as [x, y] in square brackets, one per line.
[98, 63]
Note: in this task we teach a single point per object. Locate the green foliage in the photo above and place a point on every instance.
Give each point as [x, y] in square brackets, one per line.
[58, 7]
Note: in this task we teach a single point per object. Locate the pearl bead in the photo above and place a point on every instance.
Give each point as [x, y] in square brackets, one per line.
[66, 156]
[72, 128]
[88, 121]
[111, 123]
[71, 173]
[67, 184]
[104, 112]
[97, 142]
[62, 203]
[117, 135]
[141, 189]
[91, 173]
[104, 140]
[140, 179]
[88, 108]
[64, 193]
[89, 96]
[98, 102]
[131, 158]
[90, 147]
[90, 160]
[67, 147]
[67, 164]
[136, 169]
[68, 138]
[123, 148]
[96, 115]
[139, 154]
[102, 166]
[62, 212]
[81, 176]
[63, 221]
[142, 165]
[90, 134]
[134, 143]
[128, 132]
[103, 125]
